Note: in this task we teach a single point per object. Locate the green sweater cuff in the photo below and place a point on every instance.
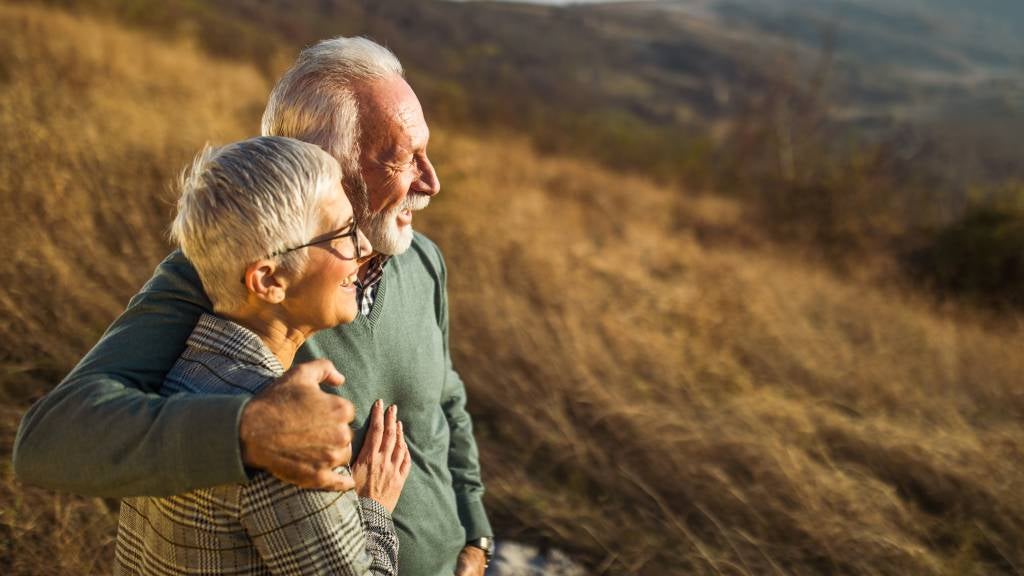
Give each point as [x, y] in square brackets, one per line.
[209, 453]
[474, 518]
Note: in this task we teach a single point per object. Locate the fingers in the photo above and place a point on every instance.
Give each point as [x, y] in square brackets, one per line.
[400, 447]
[406, 465]
[326, 479]
[402, 459]
[321, 371]
[375, 435]
[390, 431]
[340, 411]
[340, 456]
[305, 476]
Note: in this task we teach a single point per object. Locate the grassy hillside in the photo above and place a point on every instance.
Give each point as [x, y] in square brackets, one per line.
[831, 110]
[96, 121]
[654, 389]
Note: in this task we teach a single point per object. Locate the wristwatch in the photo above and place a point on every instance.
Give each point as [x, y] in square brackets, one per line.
[486, 544]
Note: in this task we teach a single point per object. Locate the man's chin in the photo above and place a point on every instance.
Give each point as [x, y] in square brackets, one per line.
[394, 242]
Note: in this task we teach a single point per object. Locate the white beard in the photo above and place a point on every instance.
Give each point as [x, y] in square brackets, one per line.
[382, 228]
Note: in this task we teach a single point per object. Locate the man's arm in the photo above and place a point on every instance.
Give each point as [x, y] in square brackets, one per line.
[105, 431]
[463, 458]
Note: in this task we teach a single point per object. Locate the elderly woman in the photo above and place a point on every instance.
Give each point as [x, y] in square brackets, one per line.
[267, 226]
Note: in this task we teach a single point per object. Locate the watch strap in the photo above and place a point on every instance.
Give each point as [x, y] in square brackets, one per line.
[484, 543]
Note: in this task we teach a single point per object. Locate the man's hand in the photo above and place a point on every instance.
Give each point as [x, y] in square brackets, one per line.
[472, 562]
[384, 461]
[298, 433]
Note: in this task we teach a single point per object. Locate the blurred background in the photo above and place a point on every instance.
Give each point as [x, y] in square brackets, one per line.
[736, 284]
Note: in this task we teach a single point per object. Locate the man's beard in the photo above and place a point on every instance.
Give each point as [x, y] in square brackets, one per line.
[382, 227]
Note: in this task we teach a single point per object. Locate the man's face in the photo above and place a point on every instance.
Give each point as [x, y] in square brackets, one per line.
[398, 178]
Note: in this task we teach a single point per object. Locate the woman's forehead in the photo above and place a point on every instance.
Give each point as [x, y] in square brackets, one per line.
[335, 209]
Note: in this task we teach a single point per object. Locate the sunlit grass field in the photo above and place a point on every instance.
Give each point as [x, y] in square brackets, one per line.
[656, 389]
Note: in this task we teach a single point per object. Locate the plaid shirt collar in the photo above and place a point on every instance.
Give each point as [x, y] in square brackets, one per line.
[368, 286]
[226, 338]
[374, 271]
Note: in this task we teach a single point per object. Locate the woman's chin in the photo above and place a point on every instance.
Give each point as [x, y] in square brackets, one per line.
[348, 313]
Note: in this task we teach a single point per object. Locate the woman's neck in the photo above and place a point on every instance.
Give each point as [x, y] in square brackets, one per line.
[282, 340]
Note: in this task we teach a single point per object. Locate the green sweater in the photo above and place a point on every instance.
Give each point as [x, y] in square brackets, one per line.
[105, 431]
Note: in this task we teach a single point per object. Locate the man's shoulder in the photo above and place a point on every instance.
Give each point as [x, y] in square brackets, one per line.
[422, 255]
[426, 247]
[174, 280]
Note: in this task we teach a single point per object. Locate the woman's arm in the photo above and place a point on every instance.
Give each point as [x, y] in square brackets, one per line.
[300, 532]
[380, 472]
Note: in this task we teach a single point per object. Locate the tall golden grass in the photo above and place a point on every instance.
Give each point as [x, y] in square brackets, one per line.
[95, 121]
[654, 389]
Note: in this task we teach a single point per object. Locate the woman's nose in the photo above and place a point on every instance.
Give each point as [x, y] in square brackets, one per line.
[365, 248]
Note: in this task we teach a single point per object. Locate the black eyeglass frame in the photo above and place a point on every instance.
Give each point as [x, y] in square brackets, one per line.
[353, 232]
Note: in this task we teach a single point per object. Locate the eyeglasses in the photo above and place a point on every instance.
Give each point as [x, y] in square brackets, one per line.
[346, 250]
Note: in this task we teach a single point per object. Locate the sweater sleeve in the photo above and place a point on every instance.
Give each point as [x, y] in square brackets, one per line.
[105, 430]
[463, 457]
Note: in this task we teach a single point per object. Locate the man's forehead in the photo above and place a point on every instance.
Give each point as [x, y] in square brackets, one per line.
[391, 115]
[388, 96]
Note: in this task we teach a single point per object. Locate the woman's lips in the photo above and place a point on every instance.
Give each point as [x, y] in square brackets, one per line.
[349, 284]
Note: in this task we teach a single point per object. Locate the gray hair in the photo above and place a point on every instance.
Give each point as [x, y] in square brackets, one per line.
[315, 100]
[247, 201]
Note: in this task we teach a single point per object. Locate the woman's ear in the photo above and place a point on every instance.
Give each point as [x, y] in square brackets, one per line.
[264, 279]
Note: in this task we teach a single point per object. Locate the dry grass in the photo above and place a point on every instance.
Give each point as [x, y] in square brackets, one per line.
[659, 401]
[653, 389]
[95, 123]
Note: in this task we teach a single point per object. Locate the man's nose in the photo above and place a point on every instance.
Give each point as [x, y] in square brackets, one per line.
[428, 181]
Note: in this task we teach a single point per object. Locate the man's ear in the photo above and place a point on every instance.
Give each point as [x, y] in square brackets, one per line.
[265, 280]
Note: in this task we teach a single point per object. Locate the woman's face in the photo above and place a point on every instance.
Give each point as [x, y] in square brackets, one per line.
[324, 295]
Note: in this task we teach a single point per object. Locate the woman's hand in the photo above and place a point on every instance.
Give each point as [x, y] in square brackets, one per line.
[384, 461]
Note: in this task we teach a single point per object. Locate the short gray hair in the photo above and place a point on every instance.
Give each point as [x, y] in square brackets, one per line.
[315, 99]
[247, 201]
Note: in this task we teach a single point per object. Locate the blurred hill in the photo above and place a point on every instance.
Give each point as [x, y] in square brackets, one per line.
[657, 388]
[855, 128]
[650, 82]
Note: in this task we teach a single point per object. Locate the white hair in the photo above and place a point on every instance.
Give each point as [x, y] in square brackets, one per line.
[315, 99]
[247, 201]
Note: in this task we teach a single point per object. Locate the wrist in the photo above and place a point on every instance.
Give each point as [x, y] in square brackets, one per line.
[486, 545]
[246, 433]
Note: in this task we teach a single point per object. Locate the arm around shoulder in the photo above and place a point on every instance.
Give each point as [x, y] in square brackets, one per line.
[105, 430]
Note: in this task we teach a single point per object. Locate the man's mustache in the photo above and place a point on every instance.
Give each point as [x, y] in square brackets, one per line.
[416, 201]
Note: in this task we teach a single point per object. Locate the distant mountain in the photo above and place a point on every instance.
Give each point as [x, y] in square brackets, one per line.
[653, 85]
[893, 57]
[951, 70]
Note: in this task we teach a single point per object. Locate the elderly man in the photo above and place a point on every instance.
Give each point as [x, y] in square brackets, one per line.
[105, 431]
